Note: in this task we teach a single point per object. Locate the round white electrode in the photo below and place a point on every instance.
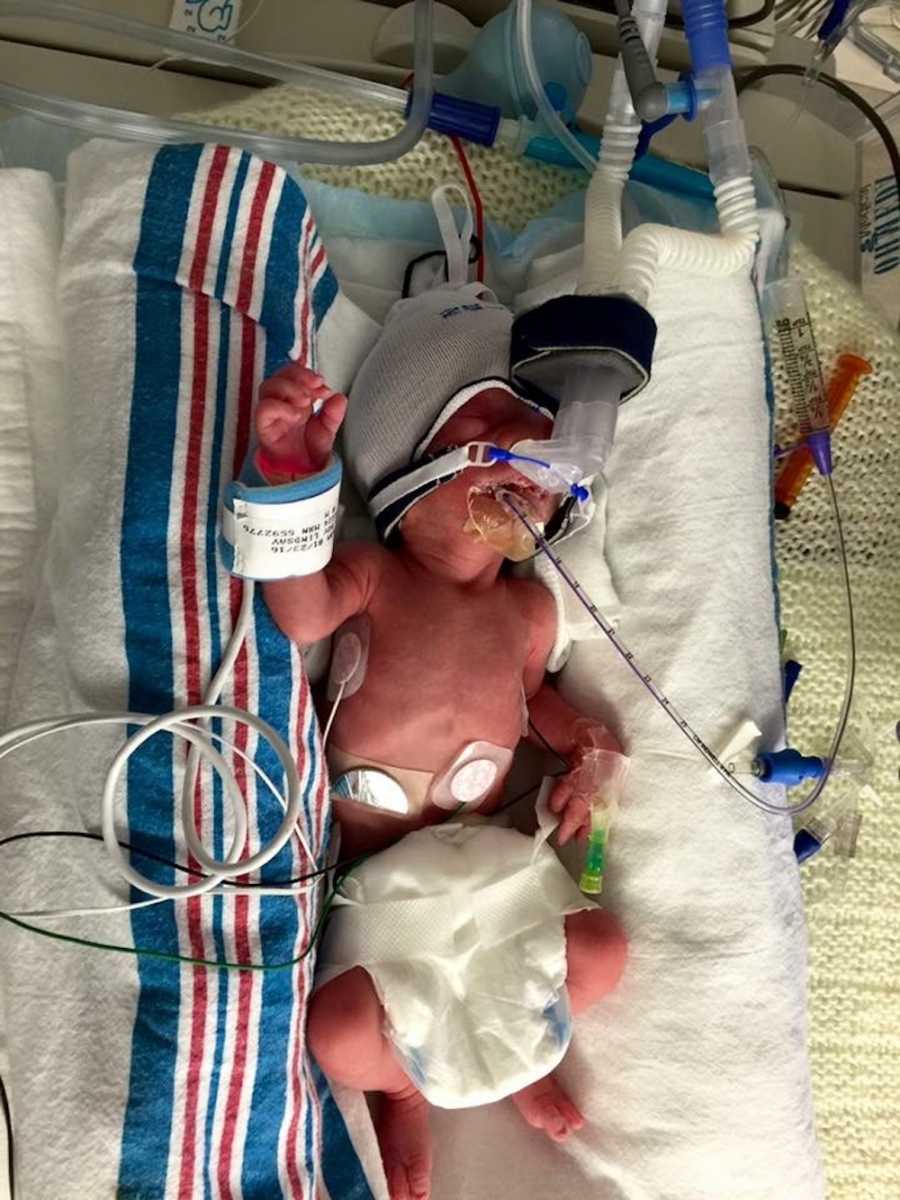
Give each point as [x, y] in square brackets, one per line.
[473, 780]
[346, 657]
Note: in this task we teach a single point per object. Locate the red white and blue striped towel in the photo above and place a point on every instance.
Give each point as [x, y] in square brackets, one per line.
[188, 274]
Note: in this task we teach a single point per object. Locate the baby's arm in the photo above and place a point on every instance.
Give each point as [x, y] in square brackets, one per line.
[555, 723]
[295, 441]
[313, 606]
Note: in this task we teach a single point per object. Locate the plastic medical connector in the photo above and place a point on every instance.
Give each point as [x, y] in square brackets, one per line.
[600, 776]
[706, 29]
[591, 881]
[840, 824]
[808, 842]
[467, 119]
[789, 767]
[791, 672]
[651, 99]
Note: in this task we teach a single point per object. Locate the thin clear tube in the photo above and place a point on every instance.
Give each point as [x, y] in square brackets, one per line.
[554, 122]
[105, 121]
[754, 798]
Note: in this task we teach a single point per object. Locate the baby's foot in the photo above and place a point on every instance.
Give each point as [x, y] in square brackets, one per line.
[546, 1106]
[405, 1142]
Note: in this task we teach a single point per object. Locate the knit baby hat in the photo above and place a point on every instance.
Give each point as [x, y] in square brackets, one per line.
[436, 351]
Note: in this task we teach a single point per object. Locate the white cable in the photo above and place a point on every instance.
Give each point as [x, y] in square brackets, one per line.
[294, 889]
[181, 723]
[328, 724]
[100, 910]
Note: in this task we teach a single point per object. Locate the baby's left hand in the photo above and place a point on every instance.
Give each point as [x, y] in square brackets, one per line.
[582, 786]
[573, 805]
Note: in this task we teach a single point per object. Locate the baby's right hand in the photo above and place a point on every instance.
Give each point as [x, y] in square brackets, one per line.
[294, 440]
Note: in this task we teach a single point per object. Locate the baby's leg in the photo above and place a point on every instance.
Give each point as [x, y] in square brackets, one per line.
[596, 948]
[595, 952]
[345, 1034]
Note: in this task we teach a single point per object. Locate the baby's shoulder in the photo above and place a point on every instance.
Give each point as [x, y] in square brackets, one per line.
[534, 601]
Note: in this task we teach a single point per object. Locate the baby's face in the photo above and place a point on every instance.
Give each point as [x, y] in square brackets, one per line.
[492, 416]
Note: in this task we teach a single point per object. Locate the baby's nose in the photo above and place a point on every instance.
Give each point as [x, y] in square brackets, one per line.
[507, 436]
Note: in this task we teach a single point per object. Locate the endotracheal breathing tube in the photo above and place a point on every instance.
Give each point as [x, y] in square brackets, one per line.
[759, 801]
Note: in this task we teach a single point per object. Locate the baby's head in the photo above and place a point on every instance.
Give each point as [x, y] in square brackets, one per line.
[435, 381]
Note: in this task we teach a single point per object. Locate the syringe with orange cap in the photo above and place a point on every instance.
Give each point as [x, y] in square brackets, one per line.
[798, 465]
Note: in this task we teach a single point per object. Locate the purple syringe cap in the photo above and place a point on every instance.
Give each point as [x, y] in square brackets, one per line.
[819, 444]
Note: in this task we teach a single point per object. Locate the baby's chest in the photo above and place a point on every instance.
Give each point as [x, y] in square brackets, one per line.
[462, 637]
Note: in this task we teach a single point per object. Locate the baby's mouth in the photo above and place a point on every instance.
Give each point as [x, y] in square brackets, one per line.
[493, 522]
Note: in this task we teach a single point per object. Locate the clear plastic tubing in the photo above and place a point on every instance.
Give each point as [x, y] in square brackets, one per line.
[551, 118]
[113, 122]
[759, 801]
[830, 41]
[706, 28]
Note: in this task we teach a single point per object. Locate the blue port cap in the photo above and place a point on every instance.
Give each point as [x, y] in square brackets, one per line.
[805, 845]
[465, 118]
[789, 767]
[792, 671]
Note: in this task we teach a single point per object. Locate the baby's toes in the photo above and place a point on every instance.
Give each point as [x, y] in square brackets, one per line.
[552, 1120]
[418, 1172]
[409, 1180]
[398, 1184]
[570, 1113]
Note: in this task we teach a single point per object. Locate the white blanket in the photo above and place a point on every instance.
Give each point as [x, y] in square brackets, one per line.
[693, 1075]
[29, 390]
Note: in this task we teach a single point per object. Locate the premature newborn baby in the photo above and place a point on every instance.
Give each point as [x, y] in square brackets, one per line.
[457, 656]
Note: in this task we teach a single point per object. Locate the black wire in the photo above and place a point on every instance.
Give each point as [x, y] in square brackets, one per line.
[556, 754]
[475, 251]
[168, 862]
[521, 796]
[10, 1145]
[746, 79]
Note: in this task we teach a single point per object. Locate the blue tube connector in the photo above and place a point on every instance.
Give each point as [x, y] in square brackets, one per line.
[706, 27]
[789, 767]
[463, 118]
